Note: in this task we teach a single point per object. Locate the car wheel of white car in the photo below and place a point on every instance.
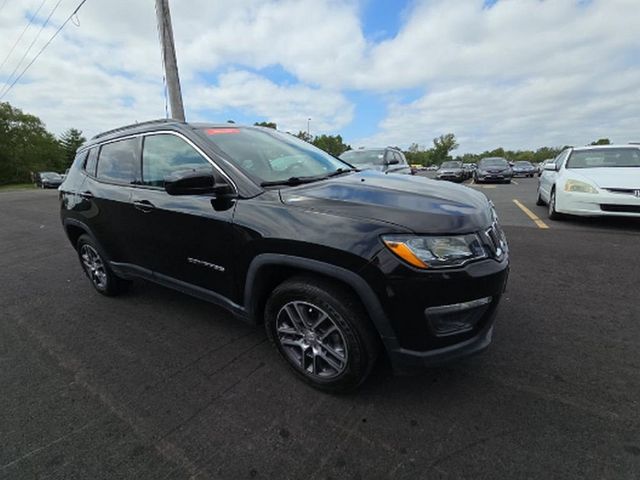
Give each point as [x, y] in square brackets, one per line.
[553, 215]
[539, 200]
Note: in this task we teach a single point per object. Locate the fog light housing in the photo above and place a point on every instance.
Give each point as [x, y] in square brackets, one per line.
[456, 318]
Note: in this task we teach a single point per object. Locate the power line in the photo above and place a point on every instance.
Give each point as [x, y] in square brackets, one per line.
[43, 48]
[42, 27]
[33, 17]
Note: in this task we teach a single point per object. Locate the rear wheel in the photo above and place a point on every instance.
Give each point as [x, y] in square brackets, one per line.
[322, 333]
[97, 269]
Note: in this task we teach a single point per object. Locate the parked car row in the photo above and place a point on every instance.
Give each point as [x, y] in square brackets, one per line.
[592, 181]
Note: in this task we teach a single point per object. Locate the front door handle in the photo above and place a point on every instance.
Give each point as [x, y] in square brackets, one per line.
[143, 205]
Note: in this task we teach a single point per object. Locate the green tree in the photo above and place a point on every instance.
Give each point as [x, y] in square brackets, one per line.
[602, 141]
[266, 124]
[442, 147]
[418, 155]
[70, 141]
[304, 136]
[332, 144]
[25, 146]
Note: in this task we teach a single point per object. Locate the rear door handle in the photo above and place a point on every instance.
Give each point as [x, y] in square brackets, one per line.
[143, 205]
[87, 195]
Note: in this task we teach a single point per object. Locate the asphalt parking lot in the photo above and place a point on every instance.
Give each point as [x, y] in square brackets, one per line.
[155, 384]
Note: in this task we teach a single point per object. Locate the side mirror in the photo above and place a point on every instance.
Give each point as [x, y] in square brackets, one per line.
[551, 167]
[195, 182]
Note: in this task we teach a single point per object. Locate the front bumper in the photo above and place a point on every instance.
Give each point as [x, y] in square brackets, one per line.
[494, 177]
[407, 362]
[451, 177]
[409, 296]
[598, 204]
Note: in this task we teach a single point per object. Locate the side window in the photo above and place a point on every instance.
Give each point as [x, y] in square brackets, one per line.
[164, 154]
[400, 158]
[92, 161]
[119, 162]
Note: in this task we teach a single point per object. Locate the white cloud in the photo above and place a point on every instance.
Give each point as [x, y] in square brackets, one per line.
[522, 73]
[288, 106]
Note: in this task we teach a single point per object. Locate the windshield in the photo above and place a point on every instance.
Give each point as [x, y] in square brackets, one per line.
[605, 157]
[523, 164]
[451, 165]
[364, 157]
[50, 175]
[493, 162]
[272, 156]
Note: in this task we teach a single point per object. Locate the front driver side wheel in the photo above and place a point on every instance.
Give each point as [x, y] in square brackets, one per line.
[553, 215]
[322, 333]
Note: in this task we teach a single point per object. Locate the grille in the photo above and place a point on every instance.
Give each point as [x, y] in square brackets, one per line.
[607, 207]
[624, 191]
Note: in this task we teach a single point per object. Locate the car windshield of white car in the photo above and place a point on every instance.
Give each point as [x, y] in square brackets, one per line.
[605, 158]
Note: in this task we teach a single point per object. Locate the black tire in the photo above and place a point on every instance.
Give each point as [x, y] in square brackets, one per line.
[100, 275]
[553, 214]
[539, 200]
[308, 298]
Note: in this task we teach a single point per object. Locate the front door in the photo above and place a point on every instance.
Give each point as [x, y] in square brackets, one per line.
[181, 237]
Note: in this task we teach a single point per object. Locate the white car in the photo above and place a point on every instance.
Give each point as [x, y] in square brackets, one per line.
[592, 181]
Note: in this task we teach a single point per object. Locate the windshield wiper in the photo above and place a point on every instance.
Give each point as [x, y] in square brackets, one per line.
[340, 171]
[292, 181]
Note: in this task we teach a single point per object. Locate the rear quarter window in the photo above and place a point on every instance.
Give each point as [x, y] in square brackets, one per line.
[91, 162]
[119, 162]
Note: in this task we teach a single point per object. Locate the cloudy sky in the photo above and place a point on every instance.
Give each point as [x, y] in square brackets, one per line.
[512, 73]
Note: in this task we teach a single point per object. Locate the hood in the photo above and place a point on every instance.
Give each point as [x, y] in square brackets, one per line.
[415, 203]
[613, 177]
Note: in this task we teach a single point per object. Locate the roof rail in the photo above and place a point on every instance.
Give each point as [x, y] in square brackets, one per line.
[149, 122]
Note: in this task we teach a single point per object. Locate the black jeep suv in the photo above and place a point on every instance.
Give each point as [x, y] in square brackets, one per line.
[336, 262]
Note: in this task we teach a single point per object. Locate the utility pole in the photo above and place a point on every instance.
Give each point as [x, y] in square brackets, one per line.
[308, 123]
[169, 59]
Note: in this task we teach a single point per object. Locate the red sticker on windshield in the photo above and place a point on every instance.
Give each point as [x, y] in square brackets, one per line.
[218, 131]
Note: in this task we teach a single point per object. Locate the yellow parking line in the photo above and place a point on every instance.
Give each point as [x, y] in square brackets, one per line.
[531, 215]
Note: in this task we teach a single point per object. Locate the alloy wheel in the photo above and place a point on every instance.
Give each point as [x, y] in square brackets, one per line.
[94, 266]
[311, 340]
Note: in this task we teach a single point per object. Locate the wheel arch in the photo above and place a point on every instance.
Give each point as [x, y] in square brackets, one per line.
[74, 229]
[266, 271]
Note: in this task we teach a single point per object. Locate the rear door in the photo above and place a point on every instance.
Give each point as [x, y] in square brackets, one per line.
[184, 237]
[107, 191]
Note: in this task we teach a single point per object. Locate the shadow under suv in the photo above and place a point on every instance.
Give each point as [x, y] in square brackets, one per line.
[337, 263]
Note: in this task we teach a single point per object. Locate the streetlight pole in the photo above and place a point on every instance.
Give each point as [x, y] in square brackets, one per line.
[308, 123]
[165, 31]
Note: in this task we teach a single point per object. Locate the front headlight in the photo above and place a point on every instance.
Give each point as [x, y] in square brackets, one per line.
[435, 252]
[578, 186]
